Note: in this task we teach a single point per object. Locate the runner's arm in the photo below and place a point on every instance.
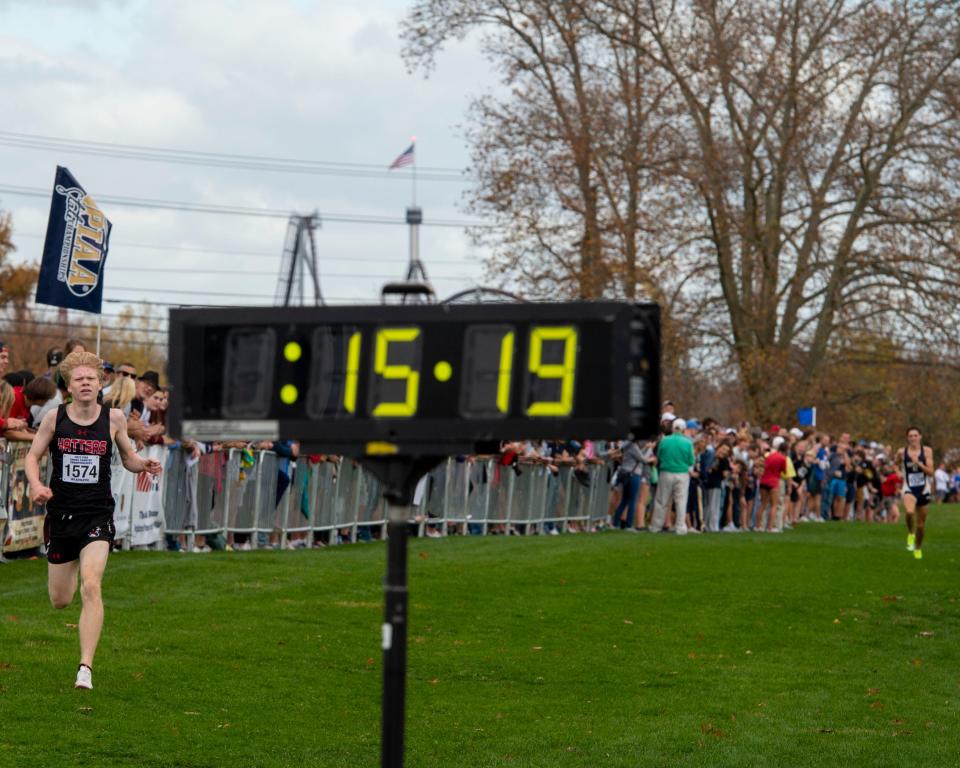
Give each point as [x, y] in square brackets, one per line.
[928, 467]
[128, 456]
[41, 441]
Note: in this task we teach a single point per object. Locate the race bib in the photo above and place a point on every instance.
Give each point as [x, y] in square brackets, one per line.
[78, 468]
[916, 479]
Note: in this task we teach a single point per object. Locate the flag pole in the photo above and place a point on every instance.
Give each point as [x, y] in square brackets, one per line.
[99, 328]
[413, 167]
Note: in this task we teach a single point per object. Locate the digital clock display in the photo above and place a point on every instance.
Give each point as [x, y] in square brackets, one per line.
[416, 378]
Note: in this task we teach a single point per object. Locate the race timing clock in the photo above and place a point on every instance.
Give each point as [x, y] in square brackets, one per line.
[415, 380]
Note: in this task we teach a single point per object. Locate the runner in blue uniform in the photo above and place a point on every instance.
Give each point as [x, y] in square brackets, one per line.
[78, 528]
[916, 459]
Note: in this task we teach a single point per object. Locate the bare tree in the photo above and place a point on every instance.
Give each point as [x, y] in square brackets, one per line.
[565, 160]
[801, 161]
[822, 153]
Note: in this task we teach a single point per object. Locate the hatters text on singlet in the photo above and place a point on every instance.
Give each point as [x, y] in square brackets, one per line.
[75, 445]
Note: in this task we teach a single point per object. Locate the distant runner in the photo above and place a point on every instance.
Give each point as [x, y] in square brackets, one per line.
[78, 529]
[918, 469]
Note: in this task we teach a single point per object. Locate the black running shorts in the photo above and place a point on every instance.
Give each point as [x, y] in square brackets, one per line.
[66, 535]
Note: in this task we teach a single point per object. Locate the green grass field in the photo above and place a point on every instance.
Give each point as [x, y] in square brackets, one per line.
[828, 645]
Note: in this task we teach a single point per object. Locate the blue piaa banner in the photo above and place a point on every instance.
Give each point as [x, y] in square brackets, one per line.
[75, 249]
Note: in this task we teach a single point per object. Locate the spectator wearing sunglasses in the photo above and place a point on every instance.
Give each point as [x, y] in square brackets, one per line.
[138, 421]
[121, 372]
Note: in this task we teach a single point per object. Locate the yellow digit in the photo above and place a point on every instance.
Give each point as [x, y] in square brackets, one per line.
[408, 407]
[353, 367]
[563, 371]
[506, 366]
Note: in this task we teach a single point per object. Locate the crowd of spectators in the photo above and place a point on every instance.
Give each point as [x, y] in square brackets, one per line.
[706, 477]
[26, 397]
[694, 477]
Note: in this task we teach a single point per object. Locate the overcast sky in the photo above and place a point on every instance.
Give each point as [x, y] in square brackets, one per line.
[317, 81]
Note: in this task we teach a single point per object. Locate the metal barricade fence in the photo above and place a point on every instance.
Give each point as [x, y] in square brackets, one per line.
[480, 499]
[323, 486]
[277, 502]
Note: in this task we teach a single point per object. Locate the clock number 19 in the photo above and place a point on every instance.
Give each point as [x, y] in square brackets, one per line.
[488, 359]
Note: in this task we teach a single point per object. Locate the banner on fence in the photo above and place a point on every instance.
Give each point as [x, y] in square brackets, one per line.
[24, 519]
[147, 501]
[121, 485]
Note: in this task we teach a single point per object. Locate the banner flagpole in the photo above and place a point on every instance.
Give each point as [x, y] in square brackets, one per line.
[413, 167]
[74, 250]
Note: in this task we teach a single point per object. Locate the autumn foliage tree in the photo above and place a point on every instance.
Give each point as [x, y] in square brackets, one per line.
[17, 281]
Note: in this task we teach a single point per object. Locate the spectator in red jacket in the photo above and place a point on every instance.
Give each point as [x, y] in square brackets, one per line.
[890, 488]
[6, 422]
[774, 465]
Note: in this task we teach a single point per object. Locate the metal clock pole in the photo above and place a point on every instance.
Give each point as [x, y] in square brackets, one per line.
[394, 639]
[400, 476]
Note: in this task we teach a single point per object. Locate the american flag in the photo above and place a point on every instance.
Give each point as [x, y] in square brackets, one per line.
[144, 480]
[404, 158]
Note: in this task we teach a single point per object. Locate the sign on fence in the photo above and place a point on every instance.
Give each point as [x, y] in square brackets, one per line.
[24, 519]
[138, 513]
[147, 501]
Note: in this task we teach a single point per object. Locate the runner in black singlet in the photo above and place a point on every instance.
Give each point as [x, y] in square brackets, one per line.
[78, 528]
[916, 461]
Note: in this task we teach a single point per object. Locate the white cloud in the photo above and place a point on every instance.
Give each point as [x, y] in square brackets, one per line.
[309, 80]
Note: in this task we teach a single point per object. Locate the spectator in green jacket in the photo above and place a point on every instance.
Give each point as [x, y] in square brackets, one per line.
[675, 459]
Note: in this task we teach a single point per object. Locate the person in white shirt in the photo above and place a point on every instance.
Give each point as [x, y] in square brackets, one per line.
[941, 483]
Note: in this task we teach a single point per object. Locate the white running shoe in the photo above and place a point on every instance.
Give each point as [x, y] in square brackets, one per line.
[730, 528]
[84, 678]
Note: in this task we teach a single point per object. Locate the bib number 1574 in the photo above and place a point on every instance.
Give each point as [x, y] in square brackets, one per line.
[78, 468]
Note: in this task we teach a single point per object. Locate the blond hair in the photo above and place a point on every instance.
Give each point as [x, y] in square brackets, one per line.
[80, 360]
[6, 398]
[121, 393]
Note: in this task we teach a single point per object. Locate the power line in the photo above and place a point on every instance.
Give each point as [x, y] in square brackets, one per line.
[126, 316]
[361, 300]
[104, 342]
[237, 210]
[230, 252]
[53, 323]
[244, 273]
[222, 160]
[254, 273]
[191, 293]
